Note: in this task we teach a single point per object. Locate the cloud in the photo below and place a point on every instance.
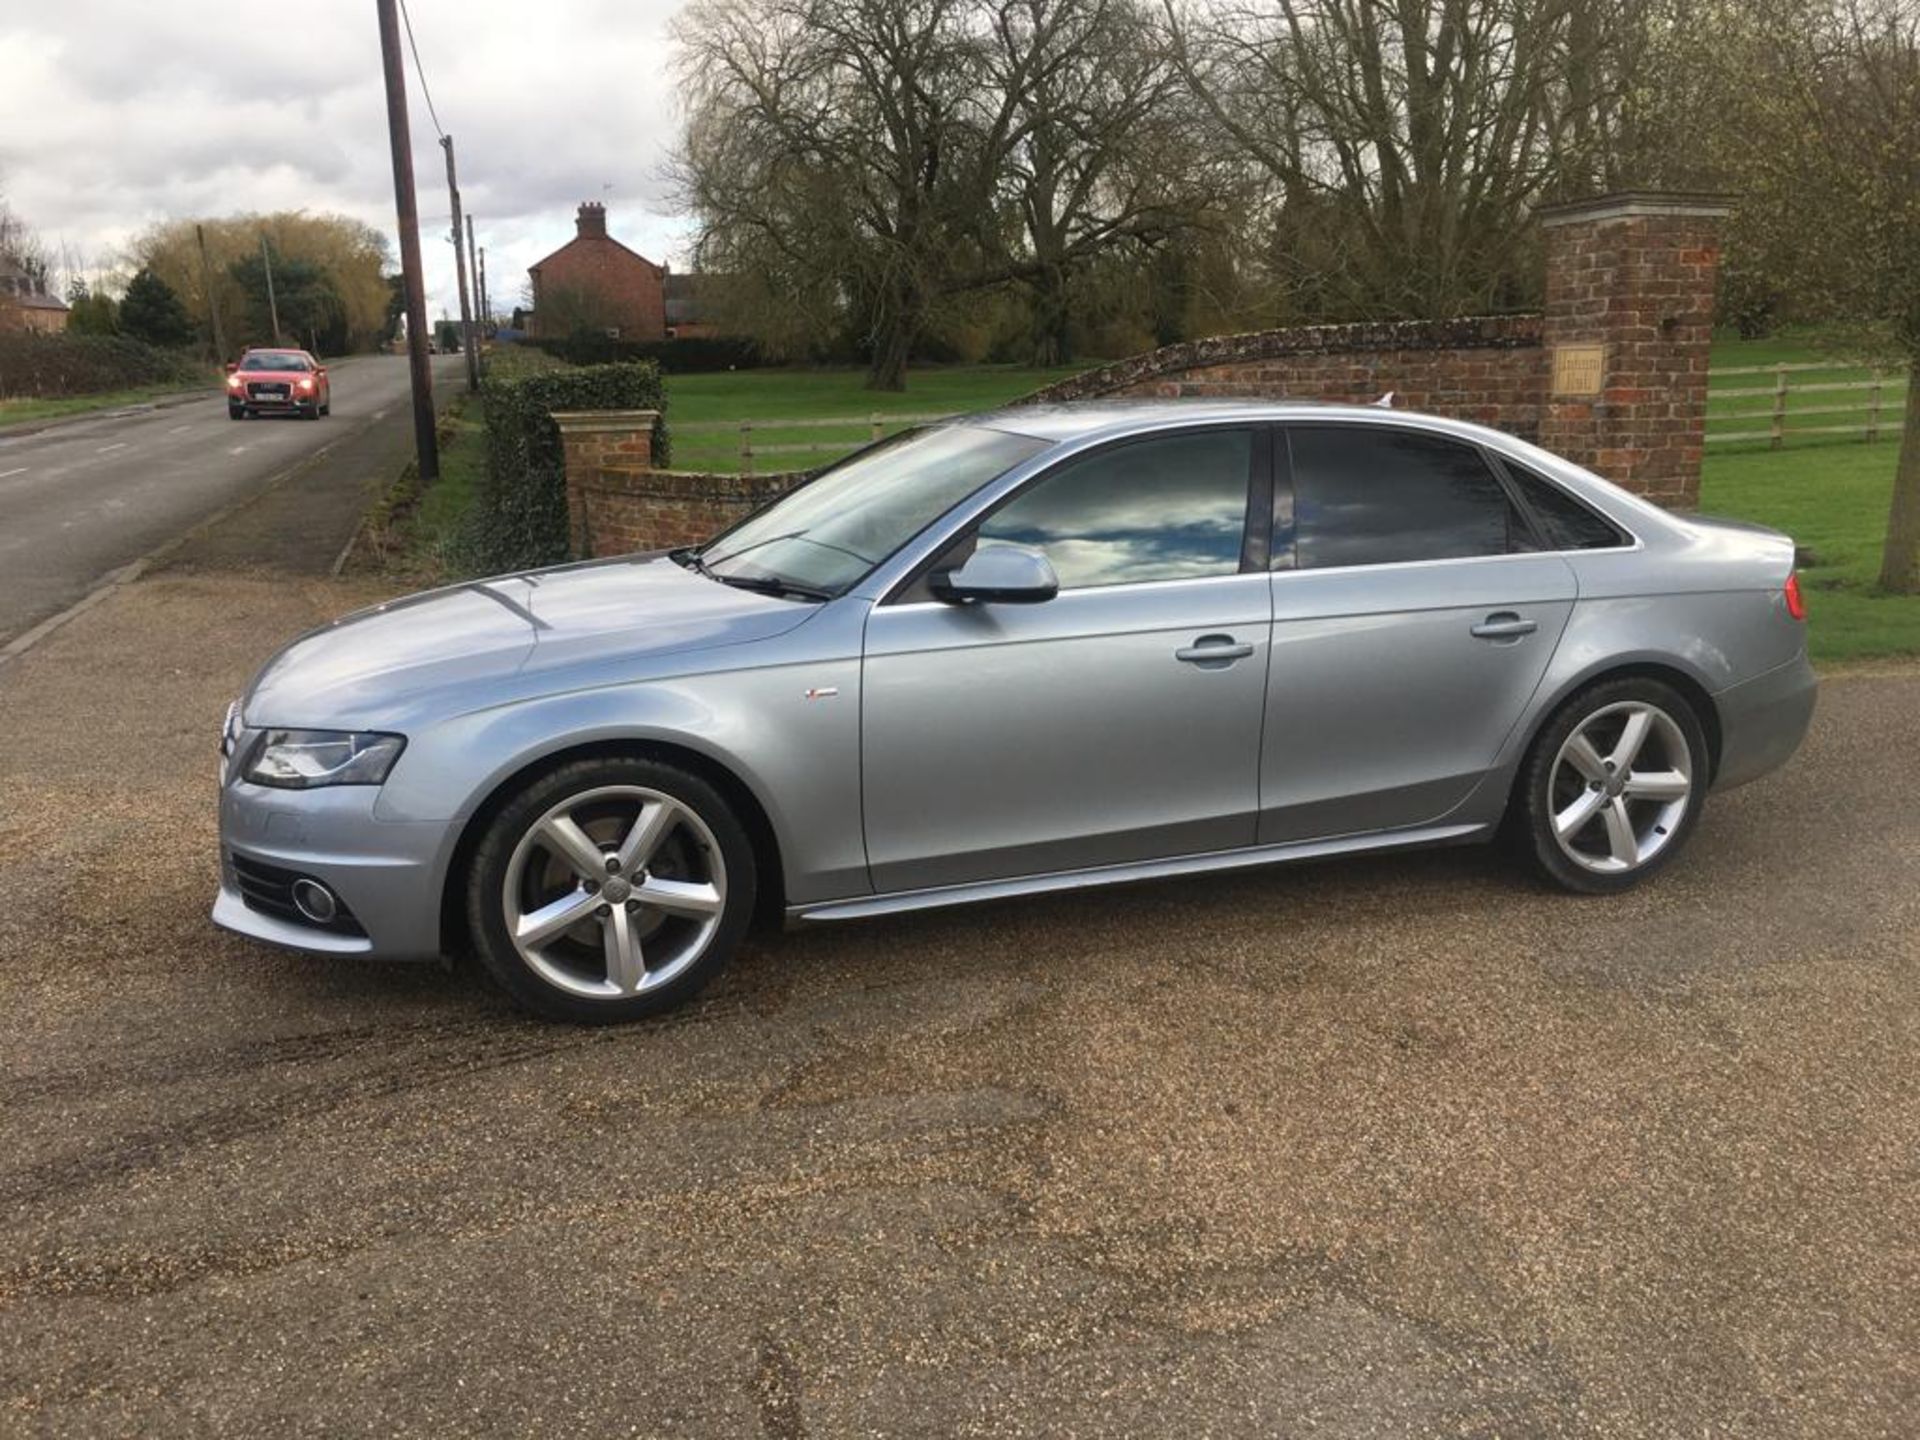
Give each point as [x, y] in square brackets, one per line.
[115, 114]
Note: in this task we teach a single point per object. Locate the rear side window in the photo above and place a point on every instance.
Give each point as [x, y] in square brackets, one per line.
[1172, 508]
[1375, 496]
[1565, 523]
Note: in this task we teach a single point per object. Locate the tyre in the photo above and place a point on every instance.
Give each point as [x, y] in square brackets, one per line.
[610, 889]
[236, 412]
[327, 409]
[1614, 785]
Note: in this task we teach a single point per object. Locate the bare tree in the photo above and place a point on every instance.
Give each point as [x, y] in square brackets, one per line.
[840, 144]
[1102, 157]
[1834, 148]
[1419, 133]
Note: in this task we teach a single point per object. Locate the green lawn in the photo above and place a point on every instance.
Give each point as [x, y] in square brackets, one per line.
[26, 410]
[1830, 493]
[818, 394]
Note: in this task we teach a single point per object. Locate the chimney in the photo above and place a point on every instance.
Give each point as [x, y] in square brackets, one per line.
[592, 219]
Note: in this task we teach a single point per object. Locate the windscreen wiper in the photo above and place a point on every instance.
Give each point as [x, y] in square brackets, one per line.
[768, 585]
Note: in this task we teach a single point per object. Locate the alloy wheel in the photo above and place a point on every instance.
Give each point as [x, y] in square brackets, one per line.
[1620, 787]
[614, 892]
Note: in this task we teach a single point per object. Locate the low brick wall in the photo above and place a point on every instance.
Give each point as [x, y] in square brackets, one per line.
[622, 509]
[1490, 369]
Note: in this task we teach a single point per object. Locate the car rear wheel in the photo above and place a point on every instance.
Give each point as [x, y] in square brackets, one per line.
[1614, 785]
[610, 889]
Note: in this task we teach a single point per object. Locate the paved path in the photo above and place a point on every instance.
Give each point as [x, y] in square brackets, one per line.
[1396, 1147]
[80, 500]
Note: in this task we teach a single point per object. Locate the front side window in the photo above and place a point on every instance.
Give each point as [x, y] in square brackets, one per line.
[1375, 496]
[832, 531]
[1171, 508]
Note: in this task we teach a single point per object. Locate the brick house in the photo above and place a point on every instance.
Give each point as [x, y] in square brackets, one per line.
[25, 303]
[595, 282]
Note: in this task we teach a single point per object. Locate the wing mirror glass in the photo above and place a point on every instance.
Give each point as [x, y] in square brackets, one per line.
[232, 365]
[999, 575]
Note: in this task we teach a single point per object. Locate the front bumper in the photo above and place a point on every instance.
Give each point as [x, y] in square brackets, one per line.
[387, 875]
[1763, 721]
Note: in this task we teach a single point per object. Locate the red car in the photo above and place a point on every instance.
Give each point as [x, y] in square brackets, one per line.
[278, 382]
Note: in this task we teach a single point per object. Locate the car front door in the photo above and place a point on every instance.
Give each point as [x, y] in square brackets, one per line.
[1119, 720]
[1414, 616]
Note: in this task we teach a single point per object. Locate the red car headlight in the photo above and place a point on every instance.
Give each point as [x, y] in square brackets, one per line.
[234, 382]
[306, 383]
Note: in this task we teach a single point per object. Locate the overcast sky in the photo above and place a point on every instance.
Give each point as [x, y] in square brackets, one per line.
[118, 113]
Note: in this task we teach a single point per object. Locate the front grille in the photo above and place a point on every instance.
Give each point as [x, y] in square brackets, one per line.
[269, 890]
[258, 390]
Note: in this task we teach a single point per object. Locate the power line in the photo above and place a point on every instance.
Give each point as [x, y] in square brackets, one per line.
[421, 71]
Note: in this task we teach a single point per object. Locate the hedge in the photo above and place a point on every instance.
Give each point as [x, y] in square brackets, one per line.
[519, 520]
[49, 366]
[689, 356]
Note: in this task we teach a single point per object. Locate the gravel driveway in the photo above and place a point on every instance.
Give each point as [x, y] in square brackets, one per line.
[1392, 1147]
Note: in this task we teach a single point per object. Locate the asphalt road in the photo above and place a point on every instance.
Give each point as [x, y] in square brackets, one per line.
[82, 499]
[1396, 1147]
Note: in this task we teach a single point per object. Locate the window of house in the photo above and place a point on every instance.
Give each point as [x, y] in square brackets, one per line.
[1373, 495]
[1170, 508]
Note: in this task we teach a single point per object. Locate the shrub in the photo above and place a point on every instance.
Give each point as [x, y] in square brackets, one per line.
[520, 520]
[689, 356]
[48, 366]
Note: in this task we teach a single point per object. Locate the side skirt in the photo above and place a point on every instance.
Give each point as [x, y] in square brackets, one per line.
[1242, 859]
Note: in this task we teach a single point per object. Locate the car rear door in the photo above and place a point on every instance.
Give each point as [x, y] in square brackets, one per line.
[1414, 616]
[1118, 721]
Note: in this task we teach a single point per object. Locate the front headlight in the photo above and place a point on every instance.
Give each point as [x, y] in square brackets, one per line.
[304, 759]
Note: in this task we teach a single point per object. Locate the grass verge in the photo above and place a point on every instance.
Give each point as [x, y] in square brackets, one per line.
[28, 410]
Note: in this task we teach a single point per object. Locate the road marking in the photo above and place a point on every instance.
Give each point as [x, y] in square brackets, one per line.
[5, 473]
[178, 428]
[238, 450]
[117, 445]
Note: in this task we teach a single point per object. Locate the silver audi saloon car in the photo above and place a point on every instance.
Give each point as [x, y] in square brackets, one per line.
[1016, 652]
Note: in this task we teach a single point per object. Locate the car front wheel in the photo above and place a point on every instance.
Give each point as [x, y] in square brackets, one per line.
[1614, 785]
[610, 889]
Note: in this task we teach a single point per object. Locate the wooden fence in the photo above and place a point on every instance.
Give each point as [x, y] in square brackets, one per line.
[1874, 398]
[750, 448]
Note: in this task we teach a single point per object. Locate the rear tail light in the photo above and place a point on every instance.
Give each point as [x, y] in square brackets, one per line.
[1796, 605]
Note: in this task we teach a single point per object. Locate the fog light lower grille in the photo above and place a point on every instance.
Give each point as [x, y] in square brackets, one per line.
[289, 895]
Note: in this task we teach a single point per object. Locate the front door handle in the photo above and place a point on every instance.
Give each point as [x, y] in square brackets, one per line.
[1504, 625]
[1213, 652]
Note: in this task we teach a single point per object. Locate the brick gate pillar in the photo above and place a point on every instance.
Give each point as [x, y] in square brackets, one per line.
[594, 440]
[1629, 320]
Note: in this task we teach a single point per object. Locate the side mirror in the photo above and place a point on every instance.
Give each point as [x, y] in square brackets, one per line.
[999, 575]
[232, 365]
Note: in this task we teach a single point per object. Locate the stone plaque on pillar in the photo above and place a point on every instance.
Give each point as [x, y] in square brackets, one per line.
[1578, 370]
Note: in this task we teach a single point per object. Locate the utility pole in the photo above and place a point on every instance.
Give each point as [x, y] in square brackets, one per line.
[273, 310]
[213, 305]
[460, 268]
[479, 305]
[426, 443]
[486, 301]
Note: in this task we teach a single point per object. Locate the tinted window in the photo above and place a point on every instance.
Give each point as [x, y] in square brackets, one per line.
[834, 529]
[1168, 509]
[1366, 496]
[1566, 523]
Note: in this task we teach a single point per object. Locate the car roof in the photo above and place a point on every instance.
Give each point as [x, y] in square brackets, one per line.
[1079, 419]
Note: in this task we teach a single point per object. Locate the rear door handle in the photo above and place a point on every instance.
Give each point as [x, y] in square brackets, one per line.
[1504, 625]
[1213, 651]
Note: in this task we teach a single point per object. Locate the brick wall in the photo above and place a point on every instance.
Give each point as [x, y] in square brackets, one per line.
[626, 509]
[1487, 369]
